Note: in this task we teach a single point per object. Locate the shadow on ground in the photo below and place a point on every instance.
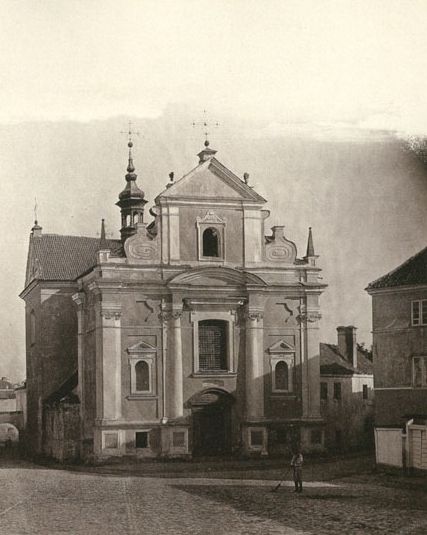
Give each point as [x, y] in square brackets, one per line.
[355, 509]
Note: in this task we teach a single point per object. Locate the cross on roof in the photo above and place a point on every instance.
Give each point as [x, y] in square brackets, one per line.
[130, 132]
[205, 125]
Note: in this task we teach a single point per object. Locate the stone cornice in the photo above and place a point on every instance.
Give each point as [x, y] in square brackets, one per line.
[46, 285]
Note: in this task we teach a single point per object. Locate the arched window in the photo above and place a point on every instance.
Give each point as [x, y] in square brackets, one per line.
[142, 376]
[281, 376]
[210, 242]
[213, 345]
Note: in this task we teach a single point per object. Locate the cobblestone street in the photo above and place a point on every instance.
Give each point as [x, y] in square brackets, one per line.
[38, 500]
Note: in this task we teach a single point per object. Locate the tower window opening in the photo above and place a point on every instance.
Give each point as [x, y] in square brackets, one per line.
[211, 242]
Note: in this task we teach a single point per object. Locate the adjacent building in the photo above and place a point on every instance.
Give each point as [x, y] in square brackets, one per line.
[347, 393]
[194, 334]
[12, 410]
[399, 316]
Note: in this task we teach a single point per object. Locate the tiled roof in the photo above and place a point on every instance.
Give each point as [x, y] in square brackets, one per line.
[56, 257]
[413, 271]
[333, 363]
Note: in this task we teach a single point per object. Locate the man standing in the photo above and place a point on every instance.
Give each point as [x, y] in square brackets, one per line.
[296, 463]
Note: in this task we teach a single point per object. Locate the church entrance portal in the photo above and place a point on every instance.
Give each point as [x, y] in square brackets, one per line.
[212, 423]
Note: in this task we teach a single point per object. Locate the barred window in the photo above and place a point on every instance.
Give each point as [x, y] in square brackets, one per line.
[212, 345]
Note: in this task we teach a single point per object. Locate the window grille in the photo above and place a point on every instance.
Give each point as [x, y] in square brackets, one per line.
[178, 439]
[213, 345]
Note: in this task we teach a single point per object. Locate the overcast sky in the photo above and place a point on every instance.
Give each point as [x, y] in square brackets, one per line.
[362, 62]
[286, 79]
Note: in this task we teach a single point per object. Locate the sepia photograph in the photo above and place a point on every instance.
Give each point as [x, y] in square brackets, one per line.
[214, 277]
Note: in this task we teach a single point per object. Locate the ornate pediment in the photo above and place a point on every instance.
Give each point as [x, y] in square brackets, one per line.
[211, 218]
[141, 347]
[141, 248]
[282, 346]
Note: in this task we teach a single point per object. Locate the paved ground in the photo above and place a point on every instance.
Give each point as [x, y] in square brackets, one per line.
[38, 500]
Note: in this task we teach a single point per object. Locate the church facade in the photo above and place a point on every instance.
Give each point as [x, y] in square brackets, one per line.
[195, 334]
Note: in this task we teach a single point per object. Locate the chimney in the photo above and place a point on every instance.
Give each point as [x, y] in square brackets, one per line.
[347, 344]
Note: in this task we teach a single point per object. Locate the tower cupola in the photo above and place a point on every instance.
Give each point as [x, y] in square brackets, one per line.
[131, 200]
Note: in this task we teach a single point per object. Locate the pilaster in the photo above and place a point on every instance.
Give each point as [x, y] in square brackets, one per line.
[254, 365]
[173, 373]
[310, 358]
[108, 362]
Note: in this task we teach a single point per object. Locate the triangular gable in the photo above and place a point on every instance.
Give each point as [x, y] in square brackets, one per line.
[212, 180]
[141, 347]
[281, 347]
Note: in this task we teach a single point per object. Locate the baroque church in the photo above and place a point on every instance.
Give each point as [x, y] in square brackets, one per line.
[195, 334]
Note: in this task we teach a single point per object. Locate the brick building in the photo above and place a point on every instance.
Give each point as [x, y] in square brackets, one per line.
[195, 334]
[399, 317]
[346, 393]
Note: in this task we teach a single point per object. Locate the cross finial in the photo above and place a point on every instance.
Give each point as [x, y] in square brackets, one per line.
[205, 125]
[35, 210]
[130, 133]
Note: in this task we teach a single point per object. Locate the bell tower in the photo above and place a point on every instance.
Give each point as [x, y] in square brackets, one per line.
[131, 199]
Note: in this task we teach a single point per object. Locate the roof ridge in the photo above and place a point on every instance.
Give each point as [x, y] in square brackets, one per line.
[77, 236]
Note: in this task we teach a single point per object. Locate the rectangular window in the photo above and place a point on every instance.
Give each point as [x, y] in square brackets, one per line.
[111, 441]
[337, 390]
[419, 312]
[213, 345]
[420, 372]
[178, 439]
[323, 390]
[316, 436]
[365, 391]
[256, 438]
[141, 439]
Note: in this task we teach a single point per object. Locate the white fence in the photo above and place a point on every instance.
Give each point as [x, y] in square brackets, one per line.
[389, 446]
